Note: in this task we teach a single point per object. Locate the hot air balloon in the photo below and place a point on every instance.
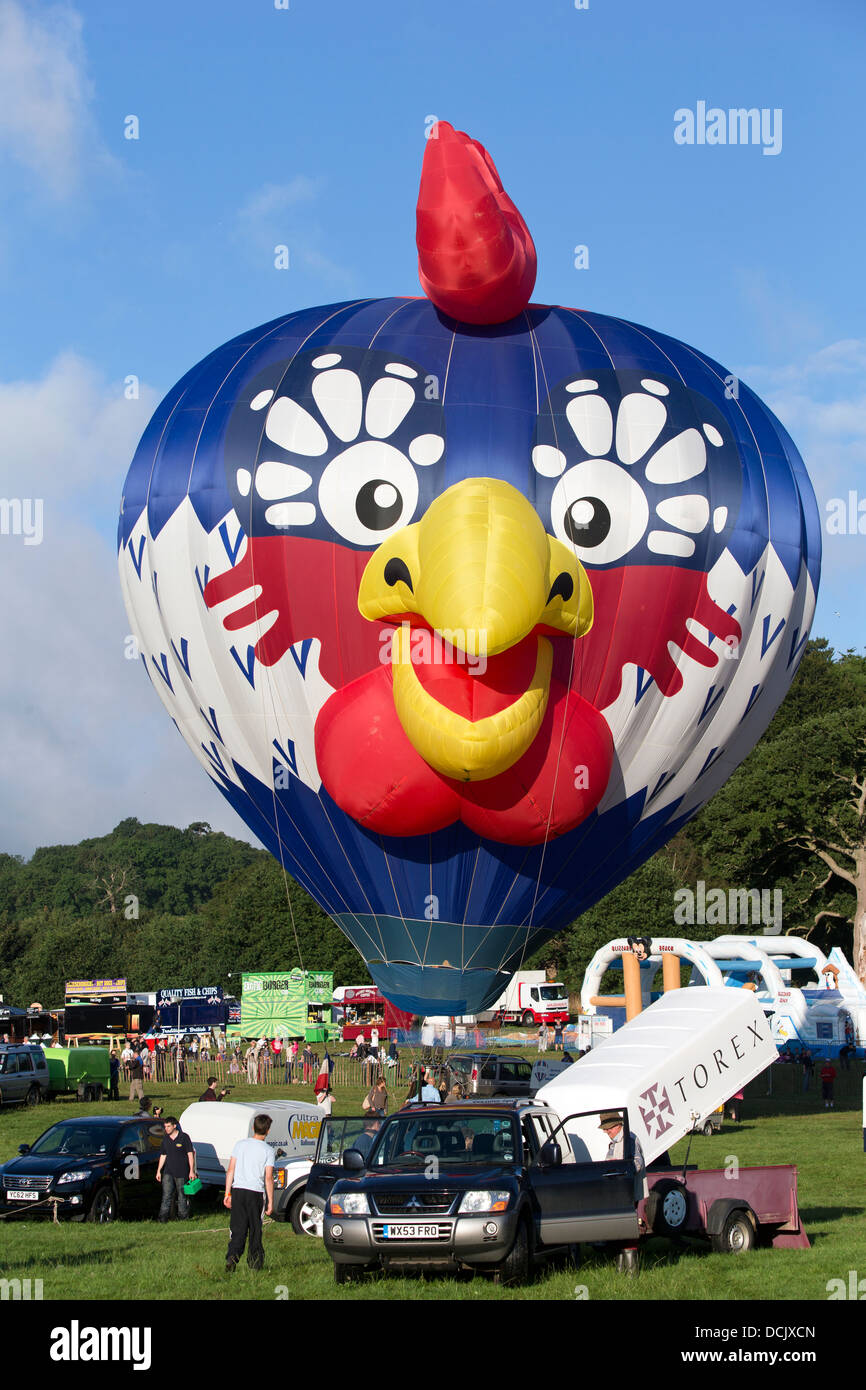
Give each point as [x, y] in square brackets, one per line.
[466, 604]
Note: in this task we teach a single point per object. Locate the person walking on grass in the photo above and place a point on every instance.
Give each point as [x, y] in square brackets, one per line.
[249, 1188]
[136, 1090]
[176, 1166]
[828, 1076]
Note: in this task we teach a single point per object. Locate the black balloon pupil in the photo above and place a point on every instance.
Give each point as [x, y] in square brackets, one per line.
[378, 505]
[587, 521]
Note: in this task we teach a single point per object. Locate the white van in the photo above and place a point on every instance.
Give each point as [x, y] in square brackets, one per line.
[215, 1129]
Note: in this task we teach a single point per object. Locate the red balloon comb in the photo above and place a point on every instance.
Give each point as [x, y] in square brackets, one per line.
[476, 258]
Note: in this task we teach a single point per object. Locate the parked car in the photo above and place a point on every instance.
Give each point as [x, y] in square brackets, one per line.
[476, 1186]
[337, 1133]
[482, 1075]
[23, 1074]
[215, 1129]
[97, 1167]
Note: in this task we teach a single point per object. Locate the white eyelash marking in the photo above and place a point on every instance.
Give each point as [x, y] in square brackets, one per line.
[667, 543]
[339, 396]
[592, 422]
[680, 459]
[690, 511]
[639, 423]
[291, 514]
[276, 480]
[426, 449]
[294, 428]
[547, 461]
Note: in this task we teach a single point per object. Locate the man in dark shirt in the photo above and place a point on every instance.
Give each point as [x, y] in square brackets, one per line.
[175, 1167]
[136, 1071]
[210, 1093]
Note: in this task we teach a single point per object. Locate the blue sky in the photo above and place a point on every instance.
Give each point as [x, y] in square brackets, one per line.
[305, 126]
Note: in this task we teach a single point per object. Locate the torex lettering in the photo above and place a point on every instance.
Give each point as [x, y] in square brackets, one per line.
[700, 1075]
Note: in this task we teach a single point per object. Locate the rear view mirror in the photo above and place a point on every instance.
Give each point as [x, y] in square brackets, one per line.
[353, 1160]
[24, 1148]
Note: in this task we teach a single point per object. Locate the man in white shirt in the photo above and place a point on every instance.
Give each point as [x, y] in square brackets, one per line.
[249, 1188]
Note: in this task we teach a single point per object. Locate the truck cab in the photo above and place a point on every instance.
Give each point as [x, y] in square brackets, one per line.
[482, 1186]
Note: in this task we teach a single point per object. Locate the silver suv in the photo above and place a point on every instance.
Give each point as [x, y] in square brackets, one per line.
[23, 1074]
[482, 1075]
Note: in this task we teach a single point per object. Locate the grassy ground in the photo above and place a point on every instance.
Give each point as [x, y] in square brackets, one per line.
[142, 1260]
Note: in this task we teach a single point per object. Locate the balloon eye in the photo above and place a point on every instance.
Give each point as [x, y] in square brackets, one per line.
[378, 505]
[587, 522]
[599, 510]
[368, 491]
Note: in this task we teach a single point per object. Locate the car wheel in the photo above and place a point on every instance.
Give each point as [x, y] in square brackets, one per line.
[707, 1130]
[33, 1096]
[527, 1019]
[103, 1208]
[307, 1219]
[736, 1236]
[667, 1208]
[514, 1269]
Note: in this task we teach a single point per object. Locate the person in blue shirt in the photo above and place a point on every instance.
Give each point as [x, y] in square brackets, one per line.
[429, 1092]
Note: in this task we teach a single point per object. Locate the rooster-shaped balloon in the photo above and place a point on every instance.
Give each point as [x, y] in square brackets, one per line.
[466, 604]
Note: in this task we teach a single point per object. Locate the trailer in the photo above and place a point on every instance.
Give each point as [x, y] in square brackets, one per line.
[667, 1070]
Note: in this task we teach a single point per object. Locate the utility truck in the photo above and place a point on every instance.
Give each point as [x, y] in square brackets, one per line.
[531, 999]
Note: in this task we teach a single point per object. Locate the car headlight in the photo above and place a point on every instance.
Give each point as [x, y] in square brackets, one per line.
[349, 1204]
[484, 1201]
[78, 1176]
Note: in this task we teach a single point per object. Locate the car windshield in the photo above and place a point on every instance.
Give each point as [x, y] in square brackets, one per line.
[453, 1137]
[550, 993]
[339, 1133]
[75, 1140]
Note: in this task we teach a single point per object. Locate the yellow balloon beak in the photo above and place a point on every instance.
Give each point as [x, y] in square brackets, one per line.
[481, 570]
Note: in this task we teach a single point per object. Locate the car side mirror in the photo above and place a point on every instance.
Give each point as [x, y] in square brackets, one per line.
[24, 1148]
[551, 1155]
[281, 1153]
[353, 1160]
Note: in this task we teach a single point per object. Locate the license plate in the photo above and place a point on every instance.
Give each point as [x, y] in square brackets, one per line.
[23, 1196]
[412, 1231]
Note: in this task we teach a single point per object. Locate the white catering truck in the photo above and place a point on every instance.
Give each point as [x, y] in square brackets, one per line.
[215, 1129]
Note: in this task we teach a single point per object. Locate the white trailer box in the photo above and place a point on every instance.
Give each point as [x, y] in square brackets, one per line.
[215, 1129]
[671, 1066]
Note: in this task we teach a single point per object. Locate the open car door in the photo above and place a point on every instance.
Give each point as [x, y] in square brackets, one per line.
[581, 1197]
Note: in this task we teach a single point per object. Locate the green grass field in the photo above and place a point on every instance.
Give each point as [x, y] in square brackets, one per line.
[142, 1260]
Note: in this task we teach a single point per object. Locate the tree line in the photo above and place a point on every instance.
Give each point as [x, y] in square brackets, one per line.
[169, 907]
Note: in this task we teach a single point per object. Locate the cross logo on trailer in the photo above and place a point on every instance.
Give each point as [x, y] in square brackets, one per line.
[657, 1107]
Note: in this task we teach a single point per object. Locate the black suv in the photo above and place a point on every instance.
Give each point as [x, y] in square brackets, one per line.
[482, 1185]
[99, 1167]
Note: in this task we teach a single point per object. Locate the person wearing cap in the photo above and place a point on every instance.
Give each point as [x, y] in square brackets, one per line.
[611, 1122]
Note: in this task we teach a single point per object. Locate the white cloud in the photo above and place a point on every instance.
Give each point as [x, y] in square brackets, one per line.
[281, 214]
[86, 741]
[821, 401]
[45, 95]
